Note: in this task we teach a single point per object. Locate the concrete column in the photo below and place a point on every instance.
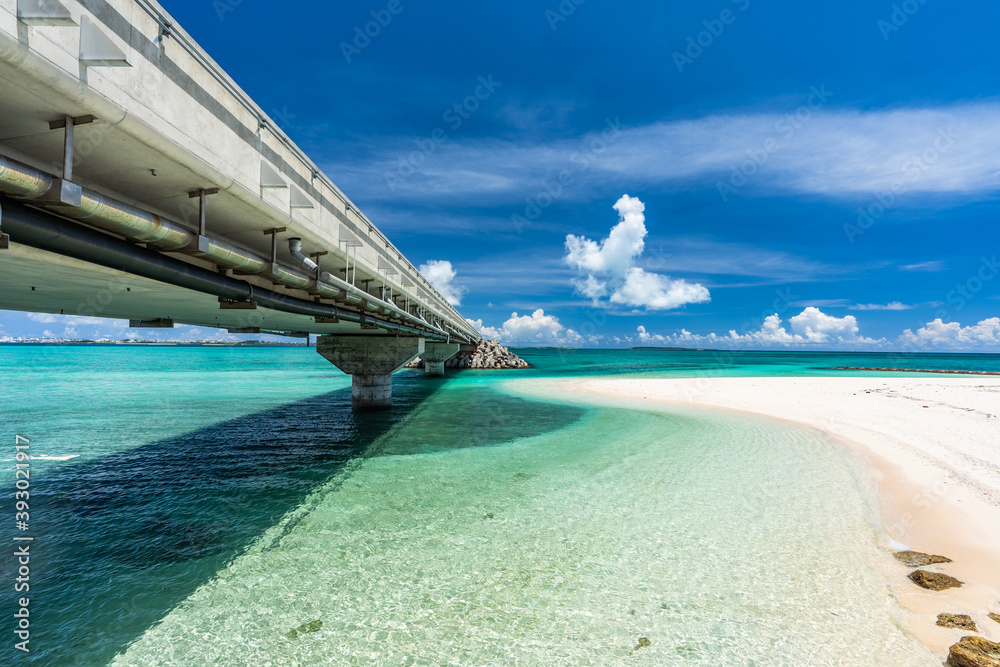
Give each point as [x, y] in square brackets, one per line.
[434, 356]
[370, 361]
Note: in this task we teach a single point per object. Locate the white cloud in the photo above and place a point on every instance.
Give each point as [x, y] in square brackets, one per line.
[609, 266]
[442, 276]
[537, 328]
[936, 265]
[816, 326]
[656, 292]
[892, 305]
[953, 335]
[835, 152]
[617, 253]
[811, 327]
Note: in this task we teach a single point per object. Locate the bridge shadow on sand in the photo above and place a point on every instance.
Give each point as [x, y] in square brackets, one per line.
[121, 540]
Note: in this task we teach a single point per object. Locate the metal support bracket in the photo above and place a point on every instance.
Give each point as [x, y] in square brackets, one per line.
[232, 304]
[4, 238]
[274, 242]
[161, 323]
[201, 196]
[63, 190]
[319, 271]
[69, 125]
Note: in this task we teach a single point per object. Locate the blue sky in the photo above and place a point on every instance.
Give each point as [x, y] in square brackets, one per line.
[800, 174]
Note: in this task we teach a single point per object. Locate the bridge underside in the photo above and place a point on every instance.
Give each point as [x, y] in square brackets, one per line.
[35, 277]
[43, 282]
[45, 269]
[139, 183]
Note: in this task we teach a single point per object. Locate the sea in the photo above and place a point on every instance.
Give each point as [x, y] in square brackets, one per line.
[224, 506]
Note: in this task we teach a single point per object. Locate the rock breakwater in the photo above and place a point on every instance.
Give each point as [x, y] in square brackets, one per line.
[489, 354]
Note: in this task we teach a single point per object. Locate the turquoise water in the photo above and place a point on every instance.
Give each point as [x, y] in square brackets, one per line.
[219, 497]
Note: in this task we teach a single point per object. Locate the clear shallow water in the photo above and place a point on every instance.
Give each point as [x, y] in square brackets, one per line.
[224, 496]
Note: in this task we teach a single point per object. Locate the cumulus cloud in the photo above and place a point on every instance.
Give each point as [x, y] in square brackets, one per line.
[656, 292]
[536, 328]
[441, 275]
[608, 268]
[616, 253]
[811, 327]
[938, 333]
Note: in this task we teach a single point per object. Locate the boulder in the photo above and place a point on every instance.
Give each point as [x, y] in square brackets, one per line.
[489, 354]
[918, 559]
[960, 621]
[974, 652]
[934, 581]
[995, 617]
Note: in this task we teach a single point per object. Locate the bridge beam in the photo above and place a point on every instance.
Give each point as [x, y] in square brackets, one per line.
[370, 361]
[434, 356]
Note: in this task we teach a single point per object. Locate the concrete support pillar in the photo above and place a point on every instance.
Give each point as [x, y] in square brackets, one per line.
[434, 356]
[370, 361]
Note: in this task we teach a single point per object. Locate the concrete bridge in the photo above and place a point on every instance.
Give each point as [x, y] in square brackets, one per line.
[139, 182]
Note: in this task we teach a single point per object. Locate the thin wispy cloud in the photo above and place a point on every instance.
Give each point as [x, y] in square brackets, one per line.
[892, 305]
[835, 153]
[933, 266]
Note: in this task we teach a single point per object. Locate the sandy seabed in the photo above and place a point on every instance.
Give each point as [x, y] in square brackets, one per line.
[934, 444]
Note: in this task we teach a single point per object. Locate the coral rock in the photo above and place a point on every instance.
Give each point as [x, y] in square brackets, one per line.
[918, 559]
[960, 621]
[974, 652]
[934, 581]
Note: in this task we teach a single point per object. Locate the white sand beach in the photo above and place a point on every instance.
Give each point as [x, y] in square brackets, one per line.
[934, 444]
